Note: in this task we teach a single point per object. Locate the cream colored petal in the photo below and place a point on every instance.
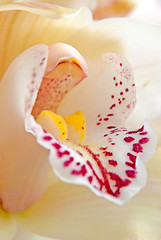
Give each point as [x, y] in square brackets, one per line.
[148, 11]
[67, 3]
[113, 8]
[72, 212]
[140, 43]
[7, 226]
[38, 23]
[22, 234]
[24, 164]
[156, 124]
[5, 2]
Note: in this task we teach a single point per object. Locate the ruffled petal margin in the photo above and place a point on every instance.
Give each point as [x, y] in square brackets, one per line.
[71, 212]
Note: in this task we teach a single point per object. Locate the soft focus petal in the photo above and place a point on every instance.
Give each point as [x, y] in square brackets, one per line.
[113, 8]
[156, 124]
[140, 43]
[75, 213]
[24, 164]
[21, 29]
[7, 226]
[22, 234]
[5, 2]
[67, 3]
[148, 11]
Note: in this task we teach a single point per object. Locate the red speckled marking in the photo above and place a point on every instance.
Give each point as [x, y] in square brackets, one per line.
[111, 127]
[59, 153]
[113, 176]
[136, 131]
[144, 140]
[90, 179]
[132, 159]
[129, 139]
[47, 138]
[109, 154]
[112, 162]
[106, 119]
[131, 173]
[68, 162]
[137, 147]
[143, 133]
[112, 106]
[82, 171]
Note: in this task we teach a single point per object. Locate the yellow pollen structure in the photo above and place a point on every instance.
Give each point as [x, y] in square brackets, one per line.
[72, 126]
[76, 121]
[53, 123]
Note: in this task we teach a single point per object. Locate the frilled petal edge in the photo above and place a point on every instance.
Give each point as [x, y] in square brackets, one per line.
[71, 212]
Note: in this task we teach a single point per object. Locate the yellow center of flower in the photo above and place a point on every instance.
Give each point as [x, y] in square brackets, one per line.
[76, 125]
[53, 123]
[71, 127]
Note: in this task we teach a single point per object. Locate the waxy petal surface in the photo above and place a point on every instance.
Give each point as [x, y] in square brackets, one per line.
[106, 97]
[113, 161]
[76, 213]
[25, 25]
[24, 165]
[140, 43]
[27, 235]
[8, 226]
[65, 69]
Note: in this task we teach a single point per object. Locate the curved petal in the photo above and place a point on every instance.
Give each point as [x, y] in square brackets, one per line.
[140, 43]
[24, 165]
[26, 235]
[70, 3]
[20, 88]
[8, 226]
[106, 97]
[114, 165]
[156, 125]
[75, 213]
[113, 8]
[147, 11]
[36, 24]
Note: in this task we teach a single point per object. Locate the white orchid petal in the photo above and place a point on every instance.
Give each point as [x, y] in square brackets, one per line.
[100, 97]
[140, 43]
[106, 97]
[22, 83]
[27, 235]
[24, 165]
[8, 226]
[71, 212]
[70, 3]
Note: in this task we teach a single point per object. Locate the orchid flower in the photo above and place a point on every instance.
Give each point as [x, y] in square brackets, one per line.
[81, 121]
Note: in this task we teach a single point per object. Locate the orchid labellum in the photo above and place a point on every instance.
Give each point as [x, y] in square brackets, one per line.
[84, 130]
[66, 106]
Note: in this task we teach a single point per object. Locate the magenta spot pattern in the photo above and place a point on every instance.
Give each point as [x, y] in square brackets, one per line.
[112, 166]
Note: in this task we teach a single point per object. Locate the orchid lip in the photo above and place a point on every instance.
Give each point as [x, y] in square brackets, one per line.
[83, 129]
